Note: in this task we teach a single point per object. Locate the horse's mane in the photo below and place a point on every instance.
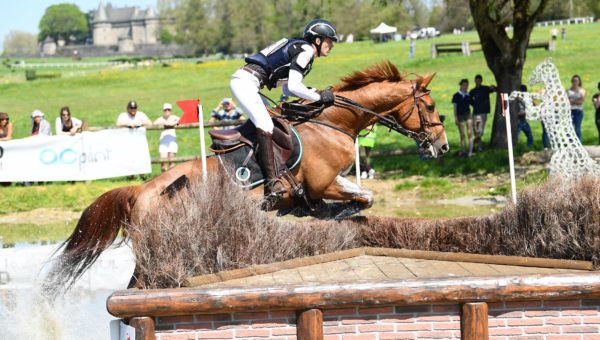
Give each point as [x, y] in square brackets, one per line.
[384, 71]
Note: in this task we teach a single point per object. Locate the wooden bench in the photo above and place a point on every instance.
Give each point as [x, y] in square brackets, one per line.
[466, 47]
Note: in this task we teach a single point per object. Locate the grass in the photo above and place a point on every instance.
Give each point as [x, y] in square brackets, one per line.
[99, 95]
[74, 197]
[17, 233]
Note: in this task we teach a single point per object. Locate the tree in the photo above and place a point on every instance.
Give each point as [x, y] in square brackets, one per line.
[64, 21]
[505, 55]
[20, 43]
[457, 14]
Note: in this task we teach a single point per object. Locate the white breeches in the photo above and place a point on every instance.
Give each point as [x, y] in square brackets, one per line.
[244, 87]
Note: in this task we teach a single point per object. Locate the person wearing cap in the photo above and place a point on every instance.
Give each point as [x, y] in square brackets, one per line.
[284, 63]
[167, 146]
[226, 111]
[6, 127]
[133, 118]
[39, 125]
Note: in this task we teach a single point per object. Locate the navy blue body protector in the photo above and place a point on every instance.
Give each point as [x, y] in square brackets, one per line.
[277, 59]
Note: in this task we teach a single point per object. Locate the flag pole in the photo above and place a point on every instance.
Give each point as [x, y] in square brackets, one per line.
[506, 111]
[202, 143]
[357, 160]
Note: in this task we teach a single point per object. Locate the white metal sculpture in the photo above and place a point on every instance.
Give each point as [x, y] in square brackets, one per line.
[569, 158]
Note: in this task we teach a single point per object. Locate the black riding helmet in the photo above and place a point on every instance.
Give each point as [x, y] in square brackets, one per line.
[319, 28]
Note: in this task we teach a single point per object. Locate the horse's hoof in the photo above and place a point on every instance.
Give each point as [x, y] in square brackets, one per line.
[347, 213]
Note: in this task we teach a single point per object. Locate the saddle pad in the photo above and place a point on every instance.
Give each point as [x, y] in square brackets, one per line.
[251, 175]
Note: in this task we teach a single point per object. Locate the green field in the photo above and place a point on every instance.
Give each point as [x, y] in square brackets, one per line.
[99, 95]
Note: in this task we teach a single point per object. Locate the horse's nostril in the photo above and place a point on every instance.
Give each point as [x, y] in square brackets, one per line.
[445, 148]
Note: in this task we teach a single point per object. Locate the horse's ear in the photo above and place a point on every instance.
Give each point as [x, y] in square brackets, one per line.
[423, 82]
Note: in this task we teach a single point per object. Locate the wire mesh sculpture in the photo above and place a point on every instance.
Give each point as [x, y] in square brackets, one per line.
[569, 158]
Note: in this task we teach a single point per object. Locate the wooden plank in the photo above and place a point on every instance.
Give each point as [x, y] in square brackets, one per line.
[520, 270]
[479, 258]
[227, 275]
[479, 269]
[433, 268]
[365, 269]
[393, 268]
[144, 328]
[309, 325]
[474, 321]
[186, 301]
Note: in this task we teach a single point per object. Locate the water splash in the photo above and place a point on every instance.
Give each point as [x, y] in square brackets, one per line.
[80, 314]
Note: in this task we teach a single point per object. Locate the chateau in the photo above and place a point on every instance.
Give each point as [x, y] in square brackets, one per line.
[124, 27]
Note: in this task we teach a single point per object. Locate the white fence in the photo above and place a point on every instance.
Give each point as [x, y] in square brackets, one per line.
[581, 20]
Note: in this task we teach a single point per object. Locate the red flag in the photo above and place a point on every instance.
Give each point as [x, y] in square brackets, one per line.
[190, 111]
[504, 103]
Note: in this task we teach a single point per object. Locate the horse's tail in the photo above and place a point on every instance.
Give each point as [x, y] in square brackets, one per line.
[96, 230]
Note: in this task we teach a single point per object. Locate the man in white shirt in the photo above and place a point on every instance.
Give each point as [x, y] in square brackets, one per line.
[133, 118]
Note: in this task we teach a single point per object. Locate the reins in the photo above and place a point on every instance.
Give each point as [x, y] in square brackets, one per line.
[299, 114]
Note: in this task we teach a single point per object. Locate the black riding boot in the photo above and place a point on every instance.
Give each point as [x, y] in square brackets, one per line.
[266, 157]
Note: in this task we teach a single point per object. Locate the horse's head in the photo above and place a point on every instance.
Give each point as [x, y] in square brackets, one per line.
[402, 105]
[419, 114]
[543, 72]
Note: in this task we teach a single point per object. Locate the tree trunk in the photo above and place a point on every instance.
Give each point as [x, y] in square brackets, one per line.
[505, 55]
[507, 80]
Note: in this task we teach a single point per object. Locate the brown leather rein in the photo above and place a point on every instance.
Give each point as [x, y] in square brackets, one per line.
[298, 112]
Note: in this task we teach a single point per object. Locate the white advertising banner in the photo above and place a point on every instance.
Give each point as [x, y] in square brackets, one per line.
[84, 156]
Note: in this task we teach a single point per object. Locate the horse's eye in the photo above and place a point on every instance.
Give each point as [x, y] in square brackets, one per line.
[430, 108]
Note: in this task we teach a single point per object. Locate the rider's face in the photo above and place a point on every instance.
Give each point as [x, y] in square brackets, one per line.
[326, 47]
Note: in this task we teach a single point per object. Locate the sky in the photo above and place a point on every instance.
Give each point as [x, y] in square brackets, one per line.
[25, 15]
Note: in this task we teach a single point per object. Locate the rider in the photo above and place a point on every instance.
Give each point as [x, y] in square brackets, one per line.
[288, 60]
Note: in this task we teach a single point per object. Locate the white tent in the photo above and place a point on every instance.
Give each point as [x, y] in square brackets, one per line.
[384, 29]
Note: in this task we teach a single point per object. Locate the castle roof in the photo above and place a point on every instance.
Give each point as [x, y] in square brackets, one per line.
[108, 13]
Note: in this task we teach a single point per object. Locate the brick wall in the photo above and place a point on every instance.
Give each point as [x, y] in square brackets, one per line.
[564, 319]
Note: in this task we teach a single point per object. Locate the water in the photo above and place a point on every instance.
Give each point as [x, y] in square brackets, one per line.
[80, 314]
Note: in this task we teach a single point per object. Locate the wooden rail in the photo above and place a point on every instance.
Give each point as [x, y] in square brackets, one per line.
[472, 293]
[187, 301]
[466, 47]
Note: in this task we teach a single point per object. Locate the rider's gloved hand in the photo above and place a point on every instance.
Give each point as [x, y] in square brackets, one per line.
[327, 97]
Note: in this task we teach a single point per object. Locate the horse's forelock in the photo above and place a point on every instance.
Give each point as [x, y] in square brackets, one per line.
[385, 71]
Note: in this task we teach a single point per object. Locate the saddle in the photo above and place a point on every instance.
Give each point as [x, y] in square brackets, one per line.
[236, 147]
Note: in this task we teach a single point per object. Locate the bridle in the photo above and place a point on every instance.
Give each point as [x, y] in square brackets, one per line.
[422, 136]
[301, 113]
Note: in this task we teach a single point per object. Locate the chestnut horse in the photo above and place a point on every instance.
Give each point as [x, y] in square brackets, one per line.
[380, 91]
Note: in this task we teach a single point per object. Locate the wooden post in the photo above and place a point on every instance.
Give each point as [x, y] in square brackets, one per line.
[433, 51]
[474, 321]
[309, 325]
[144, 328]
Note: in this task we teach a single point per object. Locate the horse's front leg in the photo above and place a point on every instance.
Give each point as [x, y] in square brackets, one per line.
[341, 189]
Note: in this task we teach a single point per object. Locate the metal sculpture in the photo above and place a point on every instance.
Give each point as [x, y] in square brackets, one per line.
[552, 107]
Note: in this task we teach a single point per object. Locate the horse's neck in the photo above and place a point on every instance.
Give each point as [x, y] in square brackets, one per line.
[354, 120]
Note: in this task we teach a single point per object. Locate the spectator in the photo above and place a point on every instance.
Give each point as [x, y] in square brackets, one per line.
[65, 124]
[168, 139]
[133, 118]
[480, 96]
[366, 144]
[6, 127]
[563, 33]
[596, 102]
[39, 125]
[412, 49]
[576, 96]
[226, 111]
[462, 115]
[522, 124]
[554, 33]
